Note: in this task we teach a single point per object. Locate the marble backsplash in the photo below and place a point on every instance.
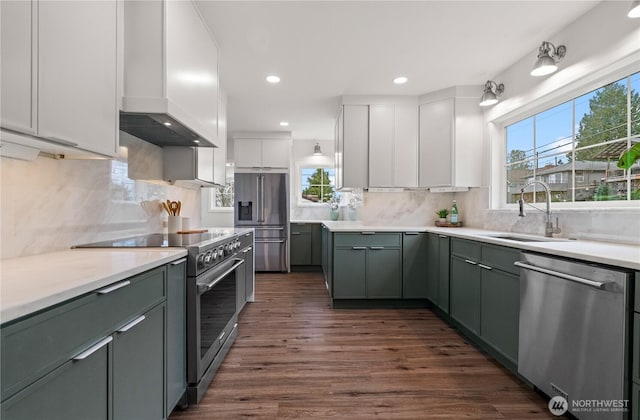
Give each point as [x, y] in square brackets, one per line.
[49, 205]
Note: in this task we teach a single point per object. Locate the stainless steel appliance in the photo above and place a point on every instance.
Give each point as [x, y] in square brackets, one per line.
[261, 202]
[212, 263]
[572, 333]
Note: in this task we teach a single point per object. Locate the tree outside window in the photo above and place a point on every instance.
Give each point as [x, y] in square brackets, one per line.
[317, 184]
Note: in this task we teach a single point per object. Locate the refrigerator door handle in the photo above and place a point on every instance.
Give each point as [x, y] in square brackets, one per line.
[261, 220]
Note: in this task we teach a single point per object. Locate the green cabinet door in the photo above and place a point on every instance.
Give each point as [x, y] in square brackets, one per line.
[349, 271]
[433, 267]
[138, 367]
[443, 272]
[300, 245]
[77, 390]
[384, 273]
[316, 244]
[415, 250]
[465, 293]
[176, 333]
[500, 310]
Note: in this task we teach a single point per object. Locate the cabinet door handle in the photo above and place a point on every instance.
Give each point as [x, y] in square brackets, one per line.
[486, 267]
[114, 287]
[88, 352]
[411, 233]
[376, 247]
[295, 233]
[132, 324]
[179, 261]
[367, 233]
[471, 262]
[247, 250]
[221, 335]
[359, 247]
[442, 236]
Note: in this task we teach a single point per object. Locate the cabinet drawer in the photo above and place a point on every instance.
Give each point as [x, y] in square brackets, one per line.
[501, 257]
[367, 239]
[300, 228]
[465, 248]
[35, 346]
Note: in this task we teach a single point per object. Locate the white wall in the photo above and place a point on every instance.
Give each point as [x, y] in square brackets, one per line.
[302, 155]
[602, 46]
[49, 205]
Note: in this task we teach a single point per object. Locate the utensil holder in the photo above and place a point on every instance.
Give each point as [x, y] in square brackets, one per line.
[174, 224]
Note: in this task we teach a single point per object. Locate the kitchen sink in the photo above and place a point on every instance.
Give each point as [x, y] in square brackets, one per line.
[524, 238]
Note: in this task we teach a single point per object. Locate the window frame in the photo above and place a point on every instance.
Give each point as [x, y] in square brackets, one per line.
[496, 129]
[298, 183]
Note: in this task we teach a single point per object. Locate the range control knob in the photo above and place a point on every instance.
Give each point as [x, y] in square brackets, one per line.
[221, 251]
[200, 261]
[208, 257]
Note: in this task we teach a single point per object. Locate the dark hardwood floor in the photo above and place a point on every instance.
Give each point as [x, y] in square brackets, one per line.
[295, 357]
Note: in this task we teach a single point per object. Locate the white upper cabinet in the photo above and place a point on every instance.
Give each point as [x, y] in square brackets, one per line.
[259, 154]
[378, 144]
[220, 153]
[451, 142]
[171, 65]
[60, 75]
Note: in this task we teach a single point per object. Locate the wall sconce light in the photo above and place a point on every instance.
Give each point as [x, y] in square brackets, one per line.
[316, 150]
[491, 92]
[548, 55]
[634, 11]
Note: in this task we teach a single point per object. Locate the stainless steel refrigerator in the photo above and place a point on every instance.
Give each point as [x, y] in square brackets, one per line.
[261, 202]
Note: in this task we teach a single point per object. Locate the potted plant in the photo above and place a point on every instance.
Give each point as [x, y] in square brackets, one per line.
[442, 214]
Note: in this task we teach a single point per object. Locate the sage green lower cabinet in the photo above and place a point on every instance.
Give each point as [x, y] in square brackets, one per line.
[327, 257]
[176, 333]
[437, 262]
[635, 400]
[77, 390]
[367, 265]
[102, 355]
[500, 311]
[384, 273]
[350, 273]
[485, 295]
[414, 265]
[300, 245]
[305, 247]
[138, 367]
[465, 293]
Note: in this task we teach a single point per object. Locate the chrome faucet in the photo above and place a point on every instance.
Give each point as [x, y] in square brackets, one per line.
[549, 229]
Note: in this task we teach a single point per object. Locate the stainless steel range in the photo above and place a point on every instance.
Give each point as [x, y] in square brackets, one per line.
[212, 266]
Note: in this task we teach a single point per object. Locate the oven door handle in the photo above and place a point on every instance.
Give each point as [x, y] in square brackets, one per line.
[205, 287]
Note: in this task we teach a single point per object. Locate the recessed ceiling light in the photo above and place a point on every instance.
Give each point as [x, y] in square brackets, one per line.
[273, 79]
[196, 141]
[284, 123]
[167, 123]
[400, 80]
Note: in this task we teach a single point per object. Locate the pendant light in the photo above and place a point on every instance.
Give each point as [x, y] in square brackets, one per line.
[634, 11]
[316, 150]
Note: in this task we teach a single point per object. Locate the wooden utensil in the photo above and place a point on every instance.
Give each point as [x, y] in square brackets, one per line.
[174, 208]
[164, 206]
[179, 207]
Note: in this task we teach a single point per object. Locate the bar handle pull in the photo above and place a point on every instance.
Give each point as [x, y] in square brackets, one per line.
[486, 267]
[132, 324]
[471, 262]
[576, 279]
[179, 261]
[114, 287]
[88, 352]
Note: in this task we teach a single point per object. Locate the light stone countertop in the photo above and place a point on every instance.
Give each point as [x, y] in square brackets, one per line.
[618, 255]
[29, 284]
[308, 221]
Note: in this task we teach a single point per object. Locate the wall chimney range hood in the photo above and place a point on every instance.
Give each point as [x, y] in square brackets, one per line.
[161, 130]
[170, 92]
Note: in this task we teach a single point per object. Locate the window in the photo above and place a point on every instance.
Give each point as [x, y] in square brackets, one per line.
[316, 184]
[574, 147]
[221, 198]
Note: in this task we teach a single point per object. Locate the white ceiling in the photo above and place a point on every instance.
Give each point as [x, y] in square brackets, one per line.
[325, 49]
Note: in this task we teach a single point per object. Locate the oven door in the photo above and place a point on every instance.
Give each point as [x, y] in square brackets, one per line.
[215, 313]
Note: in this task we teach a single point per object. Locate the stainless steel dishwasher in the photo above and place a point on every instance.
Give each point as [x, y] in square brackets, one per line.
[572, 333]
